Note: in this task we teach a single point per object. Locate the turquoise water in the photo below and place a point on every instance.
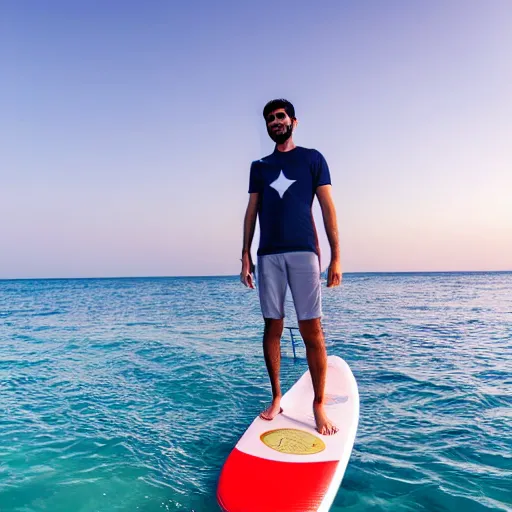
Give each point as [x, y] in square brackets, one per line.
[128, 394]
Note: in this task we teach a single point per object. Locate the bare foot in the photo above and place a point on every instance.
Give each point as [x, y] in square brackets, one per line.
[323, 423]
[272, 411]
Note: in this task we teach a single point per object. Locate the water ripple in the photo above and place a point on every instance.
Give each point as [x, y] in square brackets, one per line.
[128, 394]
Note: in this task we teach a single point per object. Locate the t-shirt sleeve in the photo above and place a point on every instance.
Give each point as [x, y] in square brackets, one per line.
[255, 184]
[323, 175]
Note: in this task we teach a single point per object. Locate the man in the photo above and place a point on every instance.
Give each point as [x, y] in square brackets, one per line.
[282, 188]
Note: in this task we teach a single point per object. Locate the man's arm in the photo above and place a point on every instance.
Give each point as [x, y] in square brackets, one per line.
[249, 226]
[324, 194]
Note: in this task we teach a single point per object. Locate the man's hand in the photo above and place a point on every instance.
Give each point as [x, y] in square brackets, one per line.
[334, 275]
[246, 276]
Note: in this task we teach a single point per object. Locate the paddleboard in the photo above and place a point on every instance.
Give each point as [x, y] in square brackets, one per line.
[285, 465]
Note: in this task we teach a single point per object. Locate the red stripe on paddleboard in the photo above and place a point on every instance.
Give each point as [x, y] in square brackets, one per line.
[252, 484]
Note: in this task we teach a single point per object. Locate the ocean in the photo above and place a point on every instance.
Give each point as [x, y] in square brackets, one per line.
[129, 394]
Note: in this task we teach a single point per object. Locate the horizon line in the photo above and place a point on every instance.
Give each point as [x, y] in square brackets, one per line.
[371, 272]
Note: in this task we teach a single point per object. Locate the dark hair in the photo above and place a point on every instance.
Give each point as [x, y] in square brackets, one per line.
[279, 103]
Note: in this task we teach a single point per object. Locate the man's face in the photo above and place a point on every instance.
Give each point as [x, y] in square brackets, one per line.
[279, 125]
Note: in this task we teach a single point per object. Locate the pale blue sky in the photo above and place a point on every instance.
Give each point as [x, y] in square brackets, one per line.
[127, 130]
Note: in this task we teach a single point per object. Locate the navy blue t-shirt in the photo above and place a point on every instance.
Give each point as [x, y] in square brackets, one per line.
[287, 183]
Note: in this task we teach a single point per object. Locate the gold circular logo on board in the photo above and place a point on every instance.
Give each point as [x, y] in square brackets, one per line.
[293, 441]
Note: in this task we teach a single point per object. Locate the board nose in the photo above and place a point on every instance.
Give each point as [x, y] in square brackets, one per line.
[252, 484]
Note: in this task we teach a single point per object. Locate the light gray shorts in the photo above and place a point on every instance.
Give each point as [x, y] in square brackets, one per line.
[299, 270]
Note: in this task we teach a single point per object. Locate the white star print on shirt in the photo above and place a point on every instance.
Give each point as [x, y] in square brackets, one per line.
[282, 184]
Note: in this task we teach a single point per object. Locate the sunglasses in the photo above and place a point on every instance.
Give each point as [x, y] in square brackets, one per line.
[279, 115]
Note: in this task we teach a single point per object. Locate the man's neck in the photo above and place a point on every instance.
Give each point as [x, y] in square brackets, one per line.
[286, 146]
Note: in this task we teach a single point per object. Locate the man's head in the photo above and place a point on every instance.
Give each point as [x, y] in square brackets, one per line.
[280, 119]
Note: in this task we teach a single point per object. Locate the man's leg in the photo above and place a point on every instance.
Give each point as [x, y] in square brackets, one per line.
[272, 353]
[311, 332]
[304, 278]
[272, 291]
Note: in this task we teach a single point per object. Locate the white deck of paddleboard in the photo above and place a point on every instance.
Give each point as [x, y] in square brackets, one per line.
[342, 408]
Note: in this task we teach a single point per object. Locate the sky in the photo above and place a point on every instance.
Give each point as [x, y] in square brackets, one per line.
[127, 130]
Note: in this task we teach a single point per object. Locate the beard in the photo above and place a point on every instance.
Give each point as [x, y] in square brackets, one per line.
[281, 138]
